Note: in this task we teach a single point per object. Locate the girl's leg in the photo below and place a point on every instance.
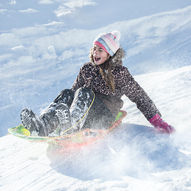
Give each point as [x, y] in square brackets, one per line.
[66, 96]
[83, 99]
[67, 110]
[56, 115]
[99, 116]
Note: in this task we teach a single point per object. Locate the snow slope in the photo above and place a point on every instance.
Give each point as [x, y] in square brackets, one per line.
[132, 158]
[41, 54]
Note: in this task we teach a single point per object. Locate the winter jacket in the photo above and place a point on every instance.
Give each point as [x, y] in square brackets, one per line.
[90, 76]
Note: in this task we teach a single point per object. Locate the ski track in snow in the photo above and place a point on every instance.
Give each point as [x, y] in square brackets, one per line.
[35, 63]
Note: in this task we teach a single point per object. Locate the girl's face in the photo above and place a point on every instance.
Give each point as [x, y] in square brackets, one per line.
[99, 55]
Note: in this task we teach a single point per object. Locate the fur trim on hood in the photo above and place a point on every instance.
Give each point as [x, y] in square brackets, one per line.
[116, 59]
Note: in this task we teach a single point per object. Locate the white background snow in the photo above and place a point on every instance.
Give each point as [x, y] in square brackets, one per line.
[43, 43]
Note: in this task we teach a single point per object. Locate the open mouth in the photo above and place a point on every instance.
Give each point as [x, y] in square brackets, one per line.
[97, 59]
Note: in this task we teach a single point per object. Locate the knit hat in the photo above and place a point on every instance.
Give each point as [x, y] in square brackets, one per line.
[109, 42]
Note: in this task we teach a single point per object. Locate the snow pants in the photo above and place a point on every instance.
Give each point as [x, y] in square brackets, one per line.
[80, 109]
[78, 102]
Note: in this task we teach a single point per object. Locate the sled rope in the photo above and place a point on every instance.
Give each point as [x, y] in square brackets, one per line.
[81, 118]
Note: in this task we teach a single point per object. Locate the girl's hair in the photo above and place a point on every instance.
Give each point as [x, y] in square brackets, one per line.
[106, 73]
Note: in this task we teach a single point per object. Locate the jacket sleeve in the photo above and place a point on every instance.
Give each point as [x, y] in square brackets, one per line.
[137, 95]
[84, 78]
[79, 82]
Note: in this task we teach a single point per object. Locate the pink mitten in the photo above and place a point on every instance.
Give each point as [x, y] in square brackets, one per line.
[161, 125]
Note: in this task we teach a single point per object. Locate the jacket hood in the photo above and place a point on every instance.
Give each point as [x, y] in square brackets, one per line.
[116, 59]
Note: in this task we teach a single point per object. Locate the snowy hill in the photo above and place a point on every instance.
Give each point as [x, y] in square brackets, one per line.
[132, 158]
[41, 54]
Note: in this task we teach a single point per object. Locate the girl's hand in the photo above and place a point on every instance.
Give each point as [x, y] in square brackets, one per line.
[161, 125]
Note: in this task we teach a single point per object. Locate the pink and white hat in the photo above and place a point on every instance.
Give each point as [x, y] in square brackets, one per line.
[109, 42]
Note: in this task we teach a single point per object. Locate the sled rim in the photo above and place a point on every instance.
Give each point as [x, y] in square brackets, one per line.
[67, 137]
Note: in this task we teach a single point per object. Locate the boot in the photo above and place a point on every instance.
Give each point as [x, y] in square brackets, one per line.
[83, 98]
[56, 116]
[31, 122]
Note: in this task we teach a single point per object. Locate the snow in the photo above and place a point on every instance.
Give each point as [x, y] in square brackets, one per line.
[43, 43]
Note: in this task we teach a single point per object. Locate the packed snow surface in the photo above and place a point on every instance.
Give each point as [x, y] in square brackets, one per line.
[42, 54]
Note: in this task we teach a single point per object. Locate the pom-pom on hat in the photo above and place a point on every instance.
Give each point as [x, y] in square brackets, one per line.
[109, 42]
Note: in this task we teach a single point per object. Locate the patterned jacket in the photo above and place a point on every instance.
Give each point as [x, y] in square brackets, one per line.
[125, 84]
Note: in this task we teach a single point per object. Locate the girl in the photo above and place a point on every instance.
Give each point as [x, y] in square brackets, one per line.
[97, 91]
